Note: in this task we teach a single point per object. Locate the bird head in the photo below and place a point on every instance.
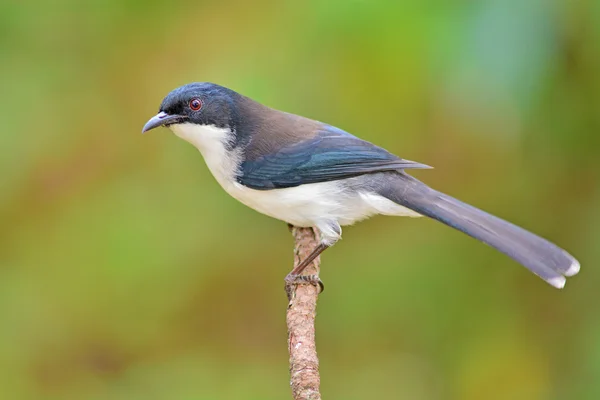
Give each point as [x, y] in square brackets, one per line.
[204, 104]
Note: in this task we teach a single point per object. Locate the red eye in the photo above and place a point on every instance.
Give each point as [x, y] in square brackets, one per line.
[195, 104]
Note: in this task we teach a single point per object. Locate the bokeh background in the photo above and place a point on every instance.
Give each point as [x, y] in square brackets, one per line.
[126, 272]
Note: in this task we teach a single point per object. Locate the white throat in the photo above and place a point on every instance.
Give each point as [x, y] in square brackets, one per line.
[203, 137]
[212, 143]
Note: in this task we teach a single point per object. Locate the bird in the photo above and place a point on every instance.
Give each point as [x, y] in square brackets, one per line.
[311, 174]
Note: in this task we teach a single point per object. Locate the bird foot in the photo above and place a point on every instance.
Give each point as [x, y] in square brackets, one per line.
[293, 279]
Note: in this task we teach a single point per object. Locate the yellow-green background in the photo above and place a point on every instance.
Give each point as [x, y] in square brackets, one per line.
[127, 273]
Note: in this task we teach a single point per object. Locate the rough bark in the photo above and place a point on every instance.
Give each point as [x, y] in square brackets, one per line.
[301, 312]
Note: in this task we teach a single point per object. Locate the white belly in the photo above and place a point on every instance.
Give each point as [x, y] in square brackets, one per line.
[312, 204]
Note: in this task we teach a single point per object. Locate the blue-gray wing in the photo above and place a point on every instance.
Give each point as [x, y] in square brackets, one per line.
[331, 154]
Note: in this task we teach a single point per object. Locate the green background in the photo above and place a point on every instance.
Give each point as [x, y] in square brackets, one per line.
[126, 272]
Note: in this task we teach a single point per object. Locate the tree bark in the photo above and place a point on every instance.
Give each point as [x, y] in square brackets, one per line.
[301, 312]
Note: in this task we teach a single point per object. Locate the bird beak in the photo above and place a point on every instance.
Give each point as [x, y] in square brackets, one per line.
[162, 119]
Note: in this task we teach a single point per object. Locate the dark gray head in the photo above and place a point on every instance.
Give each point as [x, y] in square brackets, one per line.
[200, 103]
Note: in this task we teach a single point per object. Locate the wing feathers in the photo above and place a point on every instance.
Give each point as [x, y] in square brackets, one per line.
[331, 154]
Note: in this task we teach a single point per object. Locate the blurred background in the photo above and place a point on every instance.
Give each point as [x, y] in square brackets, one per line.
[126, 272]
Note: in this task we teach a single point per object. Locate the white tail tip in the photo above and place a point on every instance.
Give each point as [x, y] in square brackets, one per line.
[558, 282]
[573, 269]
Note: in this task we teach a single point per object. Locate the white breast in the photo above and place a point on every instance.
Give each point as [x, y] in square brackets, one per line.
[315, 204]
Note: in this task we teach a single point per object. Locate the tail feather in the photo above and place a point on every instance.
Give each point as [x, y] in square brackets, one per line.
[545, 259]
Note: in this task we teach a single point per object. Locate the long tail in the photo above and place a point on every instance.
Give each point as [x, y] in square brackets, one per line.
[545, 259]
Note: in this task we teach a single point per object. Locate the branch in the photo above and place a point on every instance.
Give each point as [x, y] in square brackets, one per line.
[302, 308]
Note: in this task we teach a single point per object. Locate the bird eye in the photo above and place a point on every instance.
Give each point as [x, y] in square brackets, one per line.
[195, 104]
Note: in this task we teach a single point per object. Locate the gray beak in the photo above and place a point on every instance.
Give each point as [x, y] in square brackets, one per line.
[162, 119]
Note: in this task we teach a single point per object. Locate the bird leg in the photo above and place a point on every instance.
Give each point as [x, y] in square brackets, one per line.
[295, 275]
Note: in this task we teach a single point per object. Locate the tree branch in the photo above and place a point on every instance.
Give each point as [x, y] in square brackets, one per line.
[301, 312]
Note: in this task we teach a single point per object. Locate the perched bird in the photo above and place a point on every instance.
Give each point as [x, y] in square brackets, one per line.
[310, 174]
